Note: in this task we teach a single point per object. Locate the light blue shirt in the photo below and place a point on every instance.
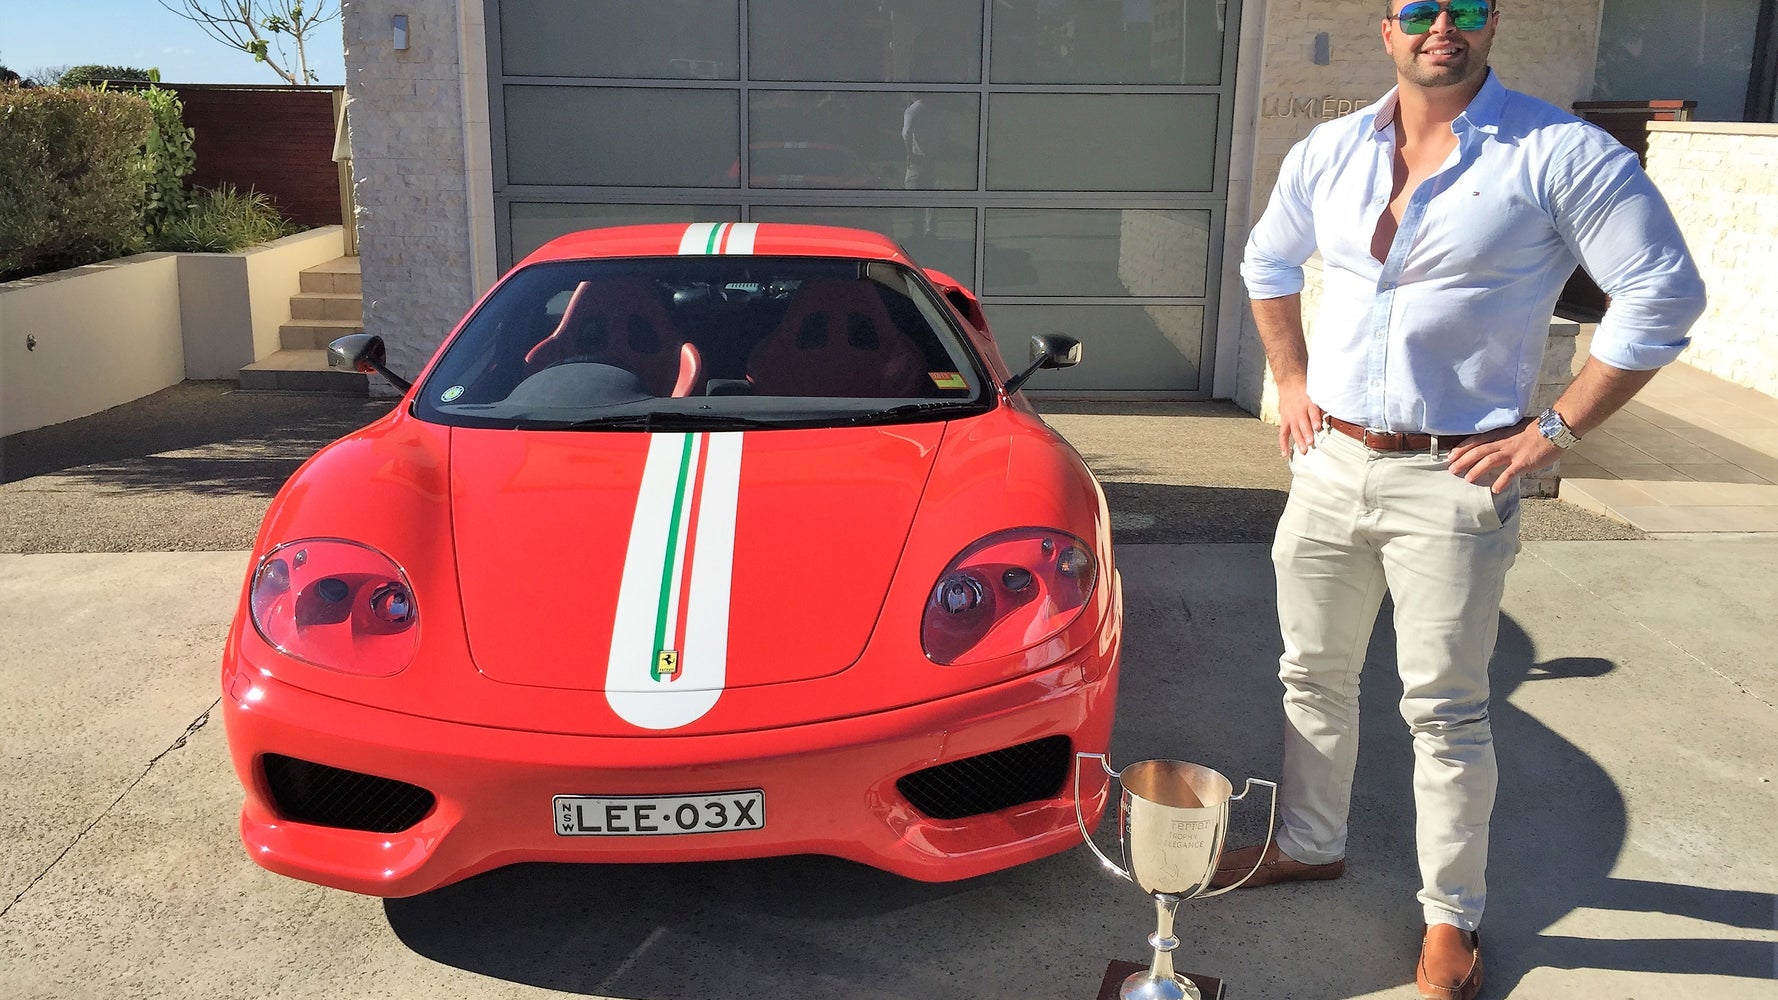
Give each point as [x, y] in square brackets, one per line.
[1447, 335]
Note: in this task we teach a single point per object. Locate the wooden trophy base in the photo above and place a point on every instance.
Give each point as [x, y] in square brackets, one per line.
[1118, 971]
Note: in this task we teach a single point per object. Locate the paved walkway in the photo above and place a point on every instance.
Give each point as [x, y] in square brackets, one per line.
[1692, 455]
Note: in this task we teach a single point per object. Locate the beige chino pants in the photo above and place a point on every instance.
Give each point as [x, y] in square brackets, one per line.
[1360, 523]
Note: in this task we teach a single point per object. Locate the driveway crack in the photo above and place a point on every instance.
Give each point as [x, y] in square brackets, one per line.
[195, 725]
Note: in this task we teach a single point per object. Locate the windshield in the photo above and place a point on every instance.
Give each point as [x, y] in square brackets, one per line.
[654, 343]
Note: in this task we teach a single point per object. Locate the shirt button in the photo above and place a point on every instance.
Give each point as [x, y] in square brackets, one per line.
[1376, 383]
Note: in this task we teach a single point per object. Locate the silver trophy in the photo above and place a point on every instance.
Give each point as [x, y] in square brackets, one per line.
[1171, 821]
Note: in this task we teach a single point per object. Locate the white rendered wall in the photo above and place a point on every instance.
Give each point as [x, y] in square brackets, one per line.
[1721, 182]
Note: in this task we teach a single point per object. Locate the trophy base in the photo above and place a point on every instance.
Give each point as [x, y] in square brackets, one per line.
[1118, 971]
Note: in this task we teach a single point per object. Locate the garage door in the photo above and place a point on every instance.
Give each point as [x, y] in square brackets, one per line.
[1066, 158]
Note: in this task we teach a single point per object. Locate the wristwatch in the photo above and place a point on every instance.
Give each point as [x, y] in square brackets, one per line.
[1554, 430]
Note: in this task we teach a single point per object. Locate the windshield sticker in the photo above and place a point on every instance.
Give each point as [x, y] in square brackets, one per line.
[451, 395]
[948, 380]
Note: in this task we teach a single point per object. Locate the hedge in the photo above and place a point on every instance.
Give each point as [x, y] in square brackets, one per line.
[71, 176]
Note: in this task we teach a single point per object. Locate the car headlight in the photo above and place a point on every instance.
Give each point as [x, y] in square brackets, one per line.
[1007, 592]
[336, 604]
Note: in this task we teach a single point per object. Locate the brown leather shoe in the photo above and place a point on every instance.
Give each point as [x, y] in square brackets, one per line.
[1277, 867]
[1448, 949]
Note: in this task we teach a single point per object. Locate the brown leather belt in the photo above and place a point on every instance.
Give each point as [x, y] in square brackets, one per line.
[1395, 440]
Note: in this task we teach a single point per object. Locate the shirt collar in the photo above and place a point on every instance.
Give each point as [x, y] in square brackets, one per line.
[1482, 114]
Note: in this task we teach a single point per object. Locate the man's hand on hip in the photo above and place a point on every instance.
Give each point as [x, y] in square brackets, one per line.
[1504, 454]
[1298, 418]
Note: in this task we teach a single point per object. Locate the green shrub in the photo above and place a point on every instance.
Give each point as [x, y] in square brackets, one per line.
[71, 177]
[223, 220]
[78, 76]
[168, 158]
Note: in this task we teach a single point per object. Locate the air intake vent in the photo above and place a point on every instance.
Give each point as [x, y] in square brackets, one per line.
[329, 796]
[1028, 772]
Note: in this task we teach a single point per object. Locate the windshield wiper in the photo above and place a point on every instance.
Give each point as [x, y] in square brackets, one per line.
[663, 421]
[904, 410]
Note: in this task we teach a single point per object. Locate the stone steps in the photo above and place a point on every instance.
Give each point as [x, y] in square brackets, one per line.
[302, 371]
[313, 334]
[329, 304]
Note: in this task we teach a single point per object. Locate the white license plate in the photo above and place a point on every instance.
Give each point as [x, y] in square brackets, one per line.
[659, 815]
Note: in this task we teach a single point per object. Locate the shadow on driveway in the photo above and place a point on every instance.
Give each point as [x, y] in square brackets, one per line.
[192, 467]
[1198, 684]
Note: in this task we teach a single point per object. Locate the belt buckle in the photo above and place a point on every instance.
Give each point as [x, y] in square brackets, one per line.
[1383, 440]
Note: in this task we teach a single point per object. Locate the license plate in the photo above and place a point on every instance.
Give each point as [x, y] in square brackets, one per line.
[659, 815]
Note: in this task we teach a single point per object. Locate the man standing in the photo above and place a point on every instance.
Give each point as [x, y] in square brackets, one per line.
[1448, 216]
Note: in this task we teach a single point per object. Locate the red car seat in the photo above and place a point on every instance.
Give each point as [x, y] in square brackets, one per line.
[620, 321]
[837, 339]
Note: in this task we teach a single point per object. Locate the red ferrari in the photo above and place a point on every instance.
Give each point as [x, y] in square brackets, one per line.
[699, 542]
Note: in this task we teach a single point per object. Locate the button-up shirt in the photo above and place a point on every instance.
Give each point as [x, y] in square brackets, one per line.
[1447, 335]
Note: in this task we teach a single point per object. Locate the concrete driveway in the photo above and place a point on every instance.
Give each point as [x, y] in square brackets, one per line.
[1633, 856]
[1635, 711]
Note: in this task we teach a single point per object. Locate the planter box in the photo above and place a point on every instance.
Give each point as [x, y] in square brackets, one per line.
[83, 340]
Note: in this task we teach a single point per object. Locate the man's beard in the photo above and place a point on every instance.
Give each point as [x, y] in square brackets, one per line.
[1448, 74]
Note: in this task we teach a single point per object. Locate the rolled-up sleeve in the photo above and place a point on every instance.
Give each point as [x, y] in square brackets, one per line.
[1614, 219]
[1284, 238]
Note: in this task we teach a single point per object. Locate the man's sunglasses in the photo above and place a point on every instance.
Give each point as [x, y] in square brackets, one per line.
[1466, 15]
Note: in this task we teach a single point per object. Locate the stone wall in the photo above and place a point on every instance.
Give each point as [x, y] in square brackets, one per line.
[407, 123]
[1719, 179]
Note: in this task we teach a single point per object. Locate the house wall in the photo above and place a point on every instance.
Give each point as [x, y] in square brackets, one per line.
[409, 124]
[1719, 179]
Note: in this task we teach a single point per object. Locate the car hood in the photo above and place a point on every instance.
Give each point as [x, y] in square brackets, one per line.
[646, 562]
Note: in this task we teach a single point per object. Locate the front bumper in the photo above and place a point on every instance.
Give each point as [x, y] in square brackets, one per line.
[830, 788]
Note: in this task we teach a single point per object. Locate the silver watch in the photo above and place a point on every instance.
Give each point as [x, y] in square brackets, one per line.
[1552, 427]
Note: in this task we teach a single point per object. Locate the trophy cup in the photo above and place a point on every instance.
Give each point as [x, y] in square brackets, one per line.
[1171, 821]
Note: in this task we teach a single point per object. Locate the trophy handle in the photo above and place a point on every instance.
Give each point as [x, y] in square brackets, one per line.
[1273, 818]
[1081, 818]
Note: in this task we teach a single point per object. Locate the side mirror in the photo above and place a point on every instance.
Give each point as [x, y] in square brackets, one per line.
[1048, 350]
[364, 352]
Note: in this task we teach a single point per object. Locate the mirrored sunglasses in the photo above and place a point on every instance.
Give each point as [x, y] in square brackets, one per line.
[1466, 15]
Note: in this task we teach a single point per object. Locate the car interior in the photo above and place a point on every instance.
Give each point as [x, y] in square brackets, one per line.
[578, 335]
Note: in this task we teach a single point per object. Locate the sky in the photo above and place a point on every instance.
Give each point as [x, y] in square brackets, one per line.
[40, 34]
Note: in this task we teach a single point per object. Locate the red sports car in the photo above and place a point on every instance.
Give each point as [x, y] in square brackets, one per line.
[699, 542]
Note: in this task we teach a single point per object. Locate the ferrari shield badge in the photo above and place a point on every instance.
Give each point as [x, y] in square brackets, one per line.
[666, 664]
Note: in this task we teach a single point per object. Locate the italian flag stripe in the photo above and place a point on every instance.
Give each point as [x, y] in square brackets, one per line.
[682, 598]
[711, 238]
[697, 237]
[673, 566]
[677, 574]
[740, 237]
